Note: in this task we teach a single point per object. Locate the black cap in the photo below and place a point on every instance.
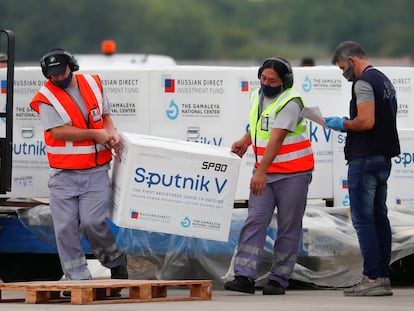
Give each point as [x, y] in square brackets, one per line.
[56, 65]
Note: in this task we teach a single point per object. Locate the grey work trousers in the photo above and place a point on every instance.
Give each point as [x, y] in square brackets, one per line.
[79, 204]
[289, 196]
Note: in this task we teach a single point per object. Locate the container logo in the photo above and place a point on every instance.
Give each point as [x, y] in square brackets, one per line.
[345, 201]
[344, 183]
[3, 86]
[245, 86]
[307, 84]
[186, 222]
[405, 159]
[25, 149]
[169, 86]
[198, 183]
[172, 111]
[194, 135]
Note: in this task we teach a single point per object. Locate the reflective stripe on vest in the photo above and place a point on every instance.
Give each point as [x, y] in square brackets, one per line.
[55, 103]
[59, 107]
[95, 89]
[80, 154]
[295, 154]
[70, 149]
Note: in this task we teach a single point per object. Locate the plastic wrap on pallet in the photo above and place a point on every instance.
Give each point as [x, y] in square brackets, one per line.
[329, 254]
[40, 223]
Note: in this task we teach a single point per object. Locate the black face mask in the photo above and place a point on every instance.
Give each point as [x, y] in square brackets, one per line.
[65, 83]
[270, 91]
[349, 73]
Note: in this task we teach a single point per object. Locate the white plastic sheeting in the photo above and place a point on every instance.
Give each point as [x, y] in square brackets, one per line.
[329, 253]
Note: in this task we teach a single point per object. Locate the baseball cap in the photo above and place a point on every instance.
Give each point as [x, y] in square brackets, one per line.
[56, 65]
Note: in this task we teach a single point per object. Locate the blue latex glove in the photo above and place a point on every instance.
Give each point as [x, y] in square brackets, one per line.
[336, 123]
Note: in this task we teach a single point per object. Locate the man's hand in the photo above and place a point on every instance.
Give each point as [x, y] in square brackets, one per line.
[116, 144]
[258, 183]
[336, 123]
[240, 147]
[102, 137]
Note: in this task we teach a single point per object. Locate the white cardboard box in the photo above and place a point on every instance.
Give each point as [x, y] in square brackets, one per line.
[173, 186]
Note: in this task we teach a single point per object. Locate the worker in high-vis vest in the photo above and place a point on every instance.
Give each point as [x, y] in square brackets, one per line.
[80, 138]
[282, 173]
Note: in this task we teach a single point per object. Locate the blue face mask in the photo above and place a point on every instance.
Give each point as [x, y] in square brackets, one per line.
[270, 91]
[64, 83]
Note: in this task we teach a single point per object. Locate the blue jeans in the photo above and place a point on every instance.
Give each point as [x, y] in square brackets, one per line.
[367, 182]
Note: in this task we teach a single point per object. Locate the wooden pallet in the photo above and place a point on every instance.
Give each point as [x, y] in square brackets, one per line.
[108, 291]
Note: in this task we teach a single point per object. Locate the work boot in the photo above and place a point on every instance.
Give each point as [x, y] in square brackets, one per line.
[273, 288]
[381, 287]
[240, 284]
[121, 271]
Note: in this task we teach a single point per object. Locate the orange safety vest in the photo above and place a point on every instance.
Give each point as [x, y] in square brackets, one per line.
[295, 155]
[74, 155]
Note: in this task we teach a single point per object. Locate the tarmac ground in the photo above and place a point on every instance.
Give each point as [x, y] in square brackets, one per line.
[303, 300]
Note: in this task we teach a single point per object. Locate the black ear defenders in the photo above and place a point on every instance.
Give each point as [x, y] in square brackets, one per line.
[287, 80]
[72, 62]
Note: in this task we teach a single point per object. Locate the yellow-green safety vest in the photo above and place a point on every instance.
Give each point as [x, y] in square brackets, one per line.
[295, 154]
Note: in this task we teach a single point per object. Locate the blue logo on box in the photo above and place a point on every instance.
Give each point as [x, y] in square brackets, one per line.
[186, 222]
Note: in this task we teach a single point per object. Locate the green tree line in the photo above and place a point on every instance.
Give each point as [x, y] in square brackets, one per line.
[210, 29]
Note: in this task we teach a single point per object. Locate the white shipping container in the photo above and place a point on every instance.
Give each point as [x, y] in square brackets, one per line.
[201, 104]
[400, 182]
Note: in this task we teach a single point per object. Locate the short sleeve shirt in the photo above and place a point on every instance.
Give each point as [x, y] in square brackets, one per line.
[363, 92]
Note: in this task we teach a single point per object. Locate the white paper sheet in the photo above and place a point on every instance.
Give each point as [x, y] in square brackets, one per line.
[314, 114]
